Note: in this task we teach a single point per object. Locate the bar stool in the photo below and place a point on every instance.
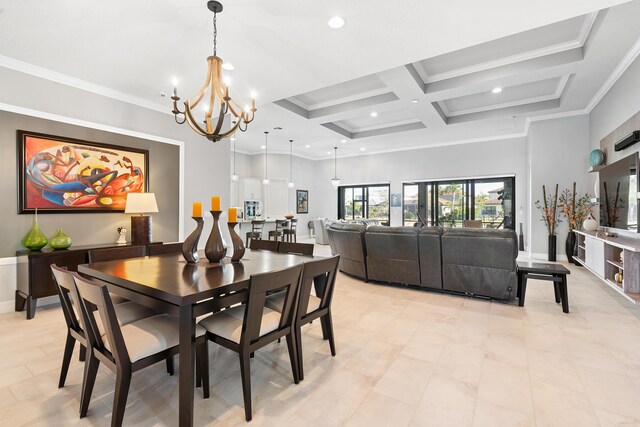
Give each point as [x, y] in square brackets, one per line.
[278, 232]
[290, 233]
[256, 231]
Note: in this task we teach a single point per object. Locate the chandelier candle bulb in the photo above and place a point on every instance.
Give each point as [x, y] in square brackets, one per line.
[197, 210]
[215, 203]
[232, 214]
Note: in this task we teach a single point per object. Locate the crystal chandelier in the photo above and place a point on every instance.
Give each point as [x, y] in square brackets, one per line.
[214, 95]
[335, 181]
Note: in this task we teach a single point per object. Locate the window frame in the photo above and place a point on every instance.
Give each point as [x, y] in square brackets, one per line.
[365, 200]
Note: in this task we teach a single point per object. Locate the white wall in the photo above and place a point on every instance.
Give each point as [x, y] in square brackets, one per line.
[492, 158]
[558, 154]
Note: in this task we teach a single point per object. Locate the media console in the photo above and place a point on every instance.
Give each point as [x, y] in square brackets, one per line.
[602, 255]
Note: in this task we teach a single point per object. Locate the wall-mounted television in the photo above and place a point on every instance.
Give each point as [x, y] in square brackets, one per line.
[619, 194]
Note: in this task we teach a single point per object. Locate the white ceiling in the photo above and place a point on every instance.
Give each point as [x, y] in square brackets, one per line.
[448, 55]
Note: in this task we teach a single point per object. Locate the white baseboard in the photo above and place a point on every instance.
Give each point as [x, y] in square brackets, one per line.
[6, 306]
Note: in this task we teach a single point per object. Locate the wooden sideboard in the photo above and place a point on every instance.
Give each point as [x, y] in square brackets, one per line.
[602, 256]
[35, 279]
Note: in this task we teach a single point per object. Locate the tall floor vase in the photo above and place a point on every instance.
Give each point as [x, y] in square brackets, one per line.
[552, 248]
[570, 246]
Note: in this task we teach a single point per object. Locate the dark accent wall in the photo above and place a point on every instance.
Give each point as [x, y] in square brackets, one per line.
[84, 229]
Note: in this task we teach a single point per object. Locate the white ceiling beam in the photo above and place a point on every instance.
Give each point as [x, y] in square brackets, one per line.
[505, 112]
[555, 65]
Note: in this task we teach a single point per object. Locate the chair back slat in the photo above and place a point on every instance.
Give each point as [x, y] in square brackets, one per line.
[296, 248]
[66, 291]
[110, 254]
[322, 275]
[90, 294]
[286, 280]
[267, 245]
[257, 225]
[167, 248]
[280, 224]
[294, 224]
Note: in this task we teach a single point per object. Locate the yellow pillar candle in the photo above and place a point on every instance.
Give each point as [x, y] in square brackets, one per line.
[215, 203]
[197, 210]
[233, 215]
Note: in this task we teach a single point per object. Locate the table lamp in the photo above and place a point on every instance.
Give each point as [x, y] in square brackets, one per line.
[141, 224]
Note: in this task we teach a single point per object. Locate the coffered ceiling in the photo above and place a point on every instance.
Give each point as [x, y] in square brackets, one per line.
[426, 69]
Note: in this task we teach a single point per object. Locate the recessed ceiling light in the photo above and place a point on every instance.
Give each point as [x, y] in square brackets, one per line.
[362, 148]
[343, 140]
[263, 146]
[233, 138]
[496, 90]
[328, 152]
[336, 22]
[415, 101]
[307, 146]
[373, 114]
[228, 66]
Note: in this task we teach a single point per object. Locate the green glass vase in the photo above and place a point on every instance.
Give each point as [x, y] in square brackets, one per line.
[60, 240]
[35, 238]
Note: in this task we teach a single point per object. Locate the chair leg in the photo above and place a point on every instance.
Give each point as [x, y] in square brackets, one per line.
[170, 366]
[298, 338]
[82, 355]
[293, 356]
[329, 327]
[89, 379]
[66, 359]
[202, 365]
[123, 380]
[245, 372]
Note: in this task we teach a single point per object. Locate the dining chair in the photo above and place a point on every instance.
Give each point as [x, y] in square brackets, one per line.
[290, 233]
[122, 349]
[295, 248]
[166, 248]
[322, 275]
[267, 245]
[256, 230]
[279, 231]
[248, 327]
[126, 312]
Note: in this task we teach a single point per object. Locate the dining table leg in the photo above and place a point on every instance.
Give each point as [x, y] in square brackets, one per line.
[187, 356]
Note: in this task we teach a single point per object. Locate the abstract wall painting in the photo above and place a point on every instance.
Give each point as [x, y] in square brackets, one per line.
[65, 175]
[302, 201]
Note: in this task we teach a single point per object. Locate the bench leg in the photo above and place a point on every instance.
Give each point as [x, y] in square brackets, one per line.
[556, 291]
[523, 289]
[565, 294]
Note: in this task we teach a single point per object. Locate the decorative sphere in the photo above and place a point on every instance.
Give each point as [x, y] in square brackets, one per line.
[596, 158]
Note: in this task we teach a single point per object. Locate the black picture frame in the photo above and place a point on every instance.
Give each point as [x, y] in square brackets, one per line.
[302, 201]
[28, 185]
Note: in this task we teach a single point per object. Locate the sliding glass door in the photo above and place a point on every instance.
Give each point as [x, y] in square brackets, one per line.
[450, 203]
[364, 201]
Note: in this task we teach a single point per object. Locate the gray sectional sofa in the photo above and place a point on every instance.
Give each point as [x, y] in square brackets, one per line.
[478, 262]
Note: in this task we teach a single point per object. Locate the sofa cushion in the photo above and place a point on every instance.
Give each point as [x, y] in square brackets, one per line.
[392, 254]
[480, 261]
[430, 247]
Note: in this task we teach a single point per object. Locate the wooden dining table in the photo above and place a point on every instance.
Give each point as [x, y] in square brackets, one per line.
[168, 284]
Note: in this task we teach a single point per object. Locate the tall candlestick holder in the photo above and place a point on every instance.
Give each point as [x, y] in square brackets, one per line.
[216, 248]
[238, 244]
[190, 244]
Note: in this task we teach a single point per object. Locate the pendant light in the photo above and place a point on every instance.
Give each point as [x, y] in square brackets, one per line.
[235, 176]
[335, 181]
[290, 184]
[266, 181]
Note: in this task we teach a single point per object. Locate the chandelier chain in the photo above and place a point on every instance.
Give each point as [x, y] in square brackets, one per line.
[215, 34]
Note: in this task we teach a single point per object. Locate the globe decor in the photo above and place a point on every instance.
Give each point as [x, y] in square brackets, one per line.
[596, 158]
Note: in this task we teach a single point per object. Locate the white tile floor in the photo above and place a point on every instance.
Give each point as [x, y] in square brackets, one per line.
[405, 357]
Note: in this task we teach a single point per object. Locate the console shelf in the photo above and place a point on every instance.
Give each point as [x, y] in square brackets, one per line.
[607, 256]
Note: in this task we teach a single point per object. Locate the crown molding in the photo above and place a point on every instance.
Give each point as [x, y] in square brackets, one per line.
[54, 76]
[615, 75]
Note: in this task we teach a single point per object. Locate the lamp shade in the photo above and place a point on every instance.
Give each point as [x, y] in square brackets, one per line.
[141, 203]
